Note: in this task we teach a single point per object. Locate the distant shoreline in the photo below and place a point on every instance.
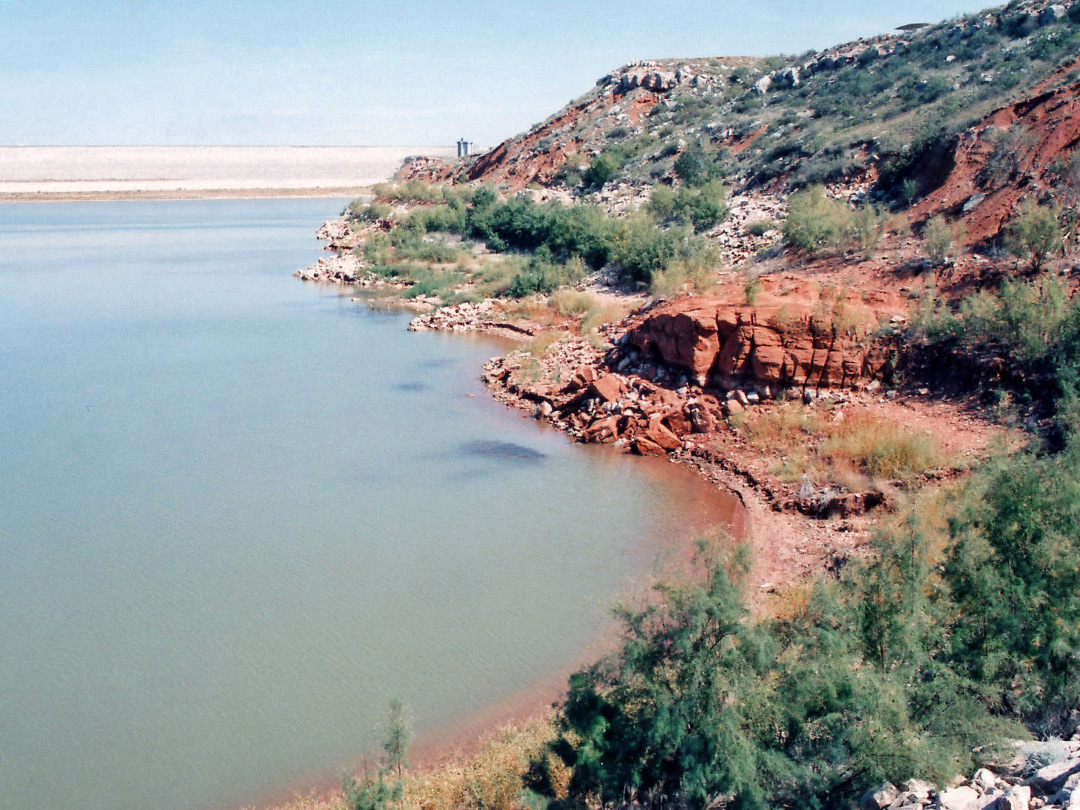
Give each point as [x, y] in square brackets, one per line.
[95, 173]
[179, 194]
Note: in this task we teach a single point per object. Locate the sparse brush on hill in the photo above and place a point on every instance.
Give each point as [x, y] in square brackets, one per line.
[895, 103]
[1034, 234]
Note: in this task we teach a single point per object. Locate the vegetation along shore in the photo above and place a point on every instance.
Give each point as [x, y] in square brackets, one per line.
[843, 286]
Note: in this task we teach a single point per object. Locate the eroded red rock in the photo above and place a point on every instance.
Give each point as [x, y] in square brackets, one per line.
[714, 341]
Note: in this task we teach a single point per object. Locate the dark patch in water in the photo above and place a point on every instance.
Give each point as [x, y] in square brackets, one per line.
[503, 450]
[437, 362]
[411, 386]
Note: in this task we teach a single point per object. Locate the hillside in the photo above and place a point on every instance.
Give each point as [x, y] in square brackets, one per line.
[920, 106]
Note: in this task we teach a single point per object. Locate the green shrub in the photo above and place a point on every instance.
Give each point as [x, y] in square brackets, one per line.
[698, 164]
[865, 229]
[640, 248]
[450, 218]
[702, 705]
[603, 168]
[543, 276]
[413, 191]
[1032, 327]
[940, 239]
[1034, 233]
[702, 207]
[369, 212]
[1014, 567]
[815, 221]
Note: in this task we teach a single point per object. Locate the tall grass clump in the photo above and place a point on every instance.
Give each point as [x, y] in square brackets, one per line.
[881, 448]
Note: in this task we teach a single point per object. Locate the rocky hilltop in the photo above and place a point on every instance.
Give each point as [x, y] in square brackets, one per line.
[928, 104]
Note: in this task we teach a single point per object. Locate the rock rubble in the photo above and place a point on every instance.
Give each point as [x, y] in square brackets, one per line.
[1026, 783]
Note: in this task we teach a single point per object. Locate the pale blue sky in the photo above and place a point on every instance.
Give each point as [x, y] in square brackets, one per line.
[349, 72]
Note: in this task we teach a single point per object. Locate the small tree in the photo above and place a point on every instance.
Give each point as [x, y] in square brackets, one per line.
[603, 167]
[396, 738]
[1034, 233]
[697, 164]
[377, 792]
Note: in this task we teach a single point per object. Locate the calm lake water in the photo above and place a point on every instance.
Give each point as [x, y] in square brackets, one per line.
[239, 513]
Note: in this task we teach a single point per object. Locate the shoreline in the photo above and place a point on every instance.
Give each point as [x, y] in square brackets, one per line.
[151, 195]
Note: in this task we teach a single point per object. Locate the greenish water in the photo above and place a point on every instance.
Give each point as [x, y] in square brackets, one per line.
[240, 512]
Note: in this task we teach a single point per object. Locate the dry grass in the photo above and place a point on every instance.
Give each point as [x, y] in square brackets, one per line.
[492, 779]
[542, 343]
[572, 303]
[880, 448]
[600, 315]
[847, 446]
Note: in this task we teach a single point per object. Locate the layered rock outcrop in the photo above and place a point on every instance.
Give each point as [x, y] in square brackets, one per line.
[788, 345]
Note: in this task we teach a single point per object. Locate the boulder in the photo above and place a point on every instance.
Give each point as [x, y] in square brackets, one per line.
[662, 435]
[607, 389]
[959, 798]
[644, 446]
[1018, 798]
[919, 787]
[788, 77]
[1052, 14]
[733, 407]
[1051, 779]
[683, 336]
[984, 780]
[700, 419]
[879, 798]
[602, 430]
[678, 422]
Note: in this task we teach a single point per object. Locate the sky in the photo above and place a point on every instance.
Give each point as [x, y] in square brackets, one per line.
[368, 72]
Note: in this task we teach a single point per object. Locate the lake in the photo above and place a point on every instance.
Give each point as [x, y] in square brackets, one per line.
[241, 512]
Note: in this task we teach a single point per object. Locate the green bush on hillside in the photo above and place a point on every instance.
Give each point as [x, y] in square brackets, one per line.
[1032, 327]
[603, 168]
[815, 221]
[702, 207]
[1034, 233]
[698, 164]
